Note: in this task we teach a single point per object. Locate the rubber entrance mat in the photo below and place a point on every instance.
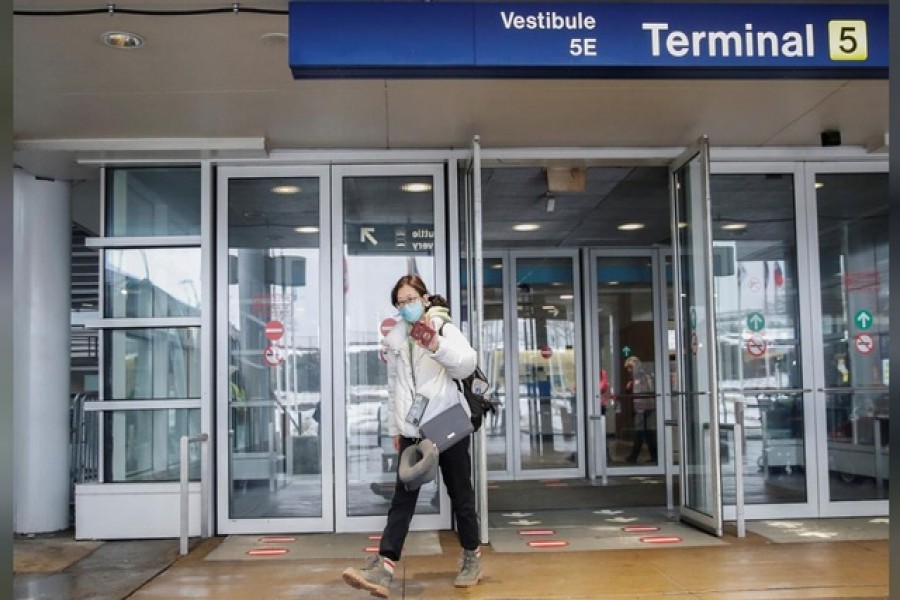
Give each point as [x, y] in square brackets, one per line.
[602, 529]
[317, 545]
[792, 531]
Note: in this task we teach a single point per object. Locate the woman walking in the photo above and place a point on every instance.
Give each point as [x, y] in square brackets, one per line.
[421, 370]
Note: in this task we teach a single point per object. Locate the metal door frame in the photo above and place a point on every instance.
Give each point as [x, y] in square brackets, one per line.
[227, 525]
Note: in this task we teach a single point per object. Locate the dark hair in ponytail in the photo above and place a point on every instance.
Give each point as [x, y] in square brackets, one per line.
[416, 283]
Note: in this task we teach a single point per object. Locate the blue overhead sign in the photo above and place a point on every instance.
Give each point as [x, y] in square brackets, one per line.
[586, 40]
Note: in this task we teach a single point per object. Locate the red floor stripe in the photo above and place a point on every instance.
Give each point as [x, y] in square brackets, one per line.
[370, 549]
[660, 539]
[548, 544]
[375, 537]
[268, 552]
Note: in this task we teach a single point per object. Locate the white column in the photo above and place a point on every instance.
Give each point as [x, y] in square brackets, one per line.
[41, 284]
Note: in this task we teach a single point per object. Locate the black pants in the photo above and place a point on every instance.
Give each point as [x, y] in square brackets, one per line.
[644, 431]
[456, 469]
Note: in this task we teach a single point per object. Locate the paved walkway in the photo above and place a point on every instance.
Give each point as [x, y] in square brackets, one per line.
[753, 568]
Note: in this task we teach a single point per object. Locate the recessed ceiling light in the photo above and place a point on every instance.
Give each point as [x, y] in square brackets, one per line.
[630, 226]
[526, 227]
[548, 307]
[734, 226]
[819, 185]
[275, 37]
[286, 189]
[307, 229]
[682, 225]
[613, 283]
[122, 39]
[416, 186]
[566, 297]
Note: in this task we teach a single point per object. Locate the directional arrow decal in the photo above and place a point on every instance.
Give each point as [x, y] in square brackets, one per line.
[607, 512]
[516, 515]
[622, 519]
[818, 534]
[879, 520]
[366, 235]
[524, 522]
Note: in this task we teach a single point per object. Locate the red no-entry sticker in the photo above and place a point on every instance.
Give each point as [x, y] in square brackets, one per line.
[274, 330]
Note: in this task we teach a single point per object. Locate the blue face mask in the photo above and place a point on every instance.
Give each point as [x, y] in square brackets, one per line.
[412, 312]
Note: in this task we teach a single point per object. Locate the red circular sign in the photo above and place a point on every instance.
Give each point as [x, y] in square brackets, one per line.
[273, 355]
[864, 343]
[387, 325]
[546, 351]
[274, 330]
[756, 345]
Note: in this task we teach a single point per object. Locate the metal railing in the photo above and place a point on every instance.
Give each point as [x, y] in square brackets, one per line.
[185, 497]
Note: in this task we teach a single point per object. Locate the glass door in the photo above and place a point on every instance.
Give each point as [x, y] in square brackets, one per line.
[392, 222]
[625, 374]
[851, 248]
[547, 398]
[274, 417]
[695, 384]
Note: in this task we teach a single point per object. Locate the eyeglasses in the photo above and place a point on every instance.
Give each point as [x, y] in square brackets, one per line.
[407, 301]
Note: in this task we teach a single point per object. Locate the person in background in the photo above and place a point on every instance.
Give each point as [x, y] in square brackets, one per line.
[639, 384]
[416, 369]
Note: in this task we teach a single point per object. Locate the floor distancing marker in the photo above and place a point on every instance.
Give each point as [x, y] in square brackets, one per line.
[375, 537]
[267, 552]
[639, 528]
[277, 540]
[660, 539]
[370, 549]
[537, 532]
[548, 544]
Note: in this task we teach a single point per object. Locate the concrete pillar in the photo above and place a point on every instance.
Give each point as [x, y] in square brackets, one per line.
[41, 273]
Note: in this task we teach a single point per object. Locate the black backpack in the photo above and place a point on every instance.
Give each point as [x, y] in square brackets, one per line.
[474, 387]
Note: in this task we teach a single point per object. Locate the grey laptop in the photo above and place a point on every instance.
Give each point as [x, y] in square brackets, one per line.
[448, 427]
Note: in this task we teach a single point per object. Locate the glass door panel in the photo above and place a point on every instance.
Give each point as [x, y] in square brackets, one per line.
[390, 229]
[278, 469]
[494, 367]
[852, 218]
[758, 333]
[696, 349]
[626, 343]
[548, 364]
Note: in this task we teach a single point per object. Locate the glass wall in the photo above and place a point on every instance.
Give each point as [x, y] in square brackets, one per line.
[152, 294]
[852, 223]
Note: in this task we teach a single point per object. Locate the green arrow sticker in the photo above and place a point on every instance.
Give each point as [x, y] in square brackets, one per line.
[626, 351]
[863, 319]
[756, 321]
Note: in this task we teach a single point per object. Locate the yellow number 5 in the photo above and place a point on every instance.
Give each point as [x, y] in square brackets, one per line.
[847, 40]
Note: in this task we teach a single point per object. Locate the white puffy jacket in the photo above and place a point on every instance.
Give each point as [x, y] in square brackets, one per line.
[434, 373]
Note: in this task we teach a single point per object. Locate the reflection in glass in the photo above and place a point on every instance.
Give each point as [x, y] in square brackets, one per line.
[548, 389]
[152, 364]
[625, 320]
[152, 282]
[758, 332]
[852, 214]
[388, 233]
[144, 445]
[152, 201]
[274, 341]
